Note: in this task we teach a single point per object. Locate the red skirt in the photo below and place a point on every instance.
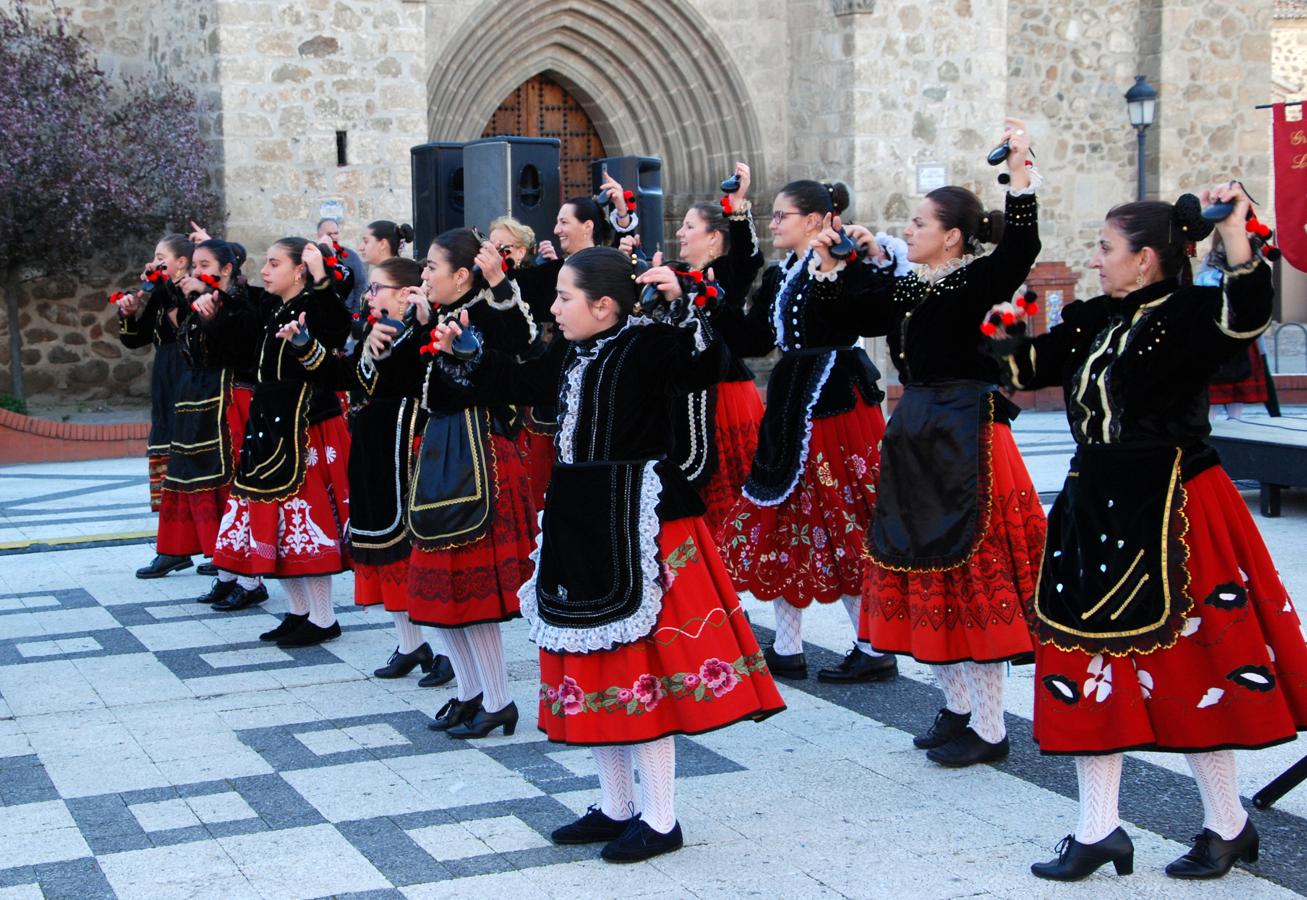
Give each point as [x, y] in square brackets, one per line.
[478, 582]
[974, 611]
[387, 585]
[188, 521]
[1235, 678]
[238, 416]
[738, 415]
[158, 468]
[812, 546]
[537, 451]
[699, 669]
[1246, 390]
[300, 535]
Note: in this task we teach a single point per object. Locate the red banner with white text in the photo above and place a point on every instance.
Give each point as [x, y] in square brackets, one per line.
[1291, 186]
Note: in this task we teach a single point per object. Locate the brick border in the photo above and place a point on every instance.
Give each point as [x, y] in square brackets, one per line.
[26, 439]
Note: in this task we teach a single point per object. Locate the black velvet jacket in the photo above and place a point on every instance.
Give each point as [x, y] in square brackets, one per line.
[735, 273]
[153, 326]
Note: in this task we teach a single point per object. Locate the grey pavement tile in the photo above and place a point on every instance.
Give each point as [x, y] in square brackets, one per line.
[201, 869]
[80, 879]
[39, 833]
[24, 780]
[393, 851]
[276, 802]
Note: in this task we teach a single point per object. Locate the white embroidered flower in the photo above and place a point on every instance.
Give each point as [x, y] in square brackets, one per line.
[297, 533]
[1211, 698]
[1099, 683]
[1191, 626]
[312, 456]
[331, 454]
[1145, 682]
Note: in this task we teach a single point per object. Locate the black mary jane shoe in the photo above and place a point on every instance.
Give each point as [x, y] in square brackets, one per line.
[207, 569]
[162, 565]
[640, 842]
[442, 672]
[289, 623]
[400, 664]
[1076, 860]
[241, 598]
[793, 665]
[1212, 856]
[484, 722]
[858, 666]
[968, 749]
[947, 726]
[309, 635]
[218, 591]
[591, 828]
[454, 713]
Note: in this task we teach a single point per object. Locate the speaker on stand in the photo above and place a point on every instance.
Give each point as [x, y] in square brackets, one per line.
[512, 176]
[438, 194]
[643, 176]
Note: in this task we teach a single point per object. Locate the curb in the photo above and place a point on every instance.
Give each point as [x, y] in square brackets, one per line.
[26, 439]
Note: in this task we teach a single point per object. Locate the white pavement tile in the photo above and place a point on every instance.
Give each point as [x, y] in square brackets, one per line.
[176, 635]
[132, 678]
[8, 604]
[32, 689]
[22, 892]
[502, 834]
[198, 871]
[360, 790]
[255, 656]
[35, 833]
[479, 887]
[164, 815]
[56, 622]
[32, 649]
[328, 741]
[460, 777]
[228, 806]
[448, 841]
[325, 864]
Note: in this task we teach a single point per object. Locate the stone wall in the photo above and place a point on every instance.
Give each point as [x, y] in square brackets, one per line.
[1289, 56]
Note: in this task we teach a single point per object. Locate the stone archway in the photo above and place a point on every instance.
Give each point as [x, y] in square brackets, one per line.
[642, 82]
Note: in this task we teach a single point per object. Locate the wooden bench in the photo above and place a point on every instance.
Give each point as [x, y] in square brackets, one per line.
[1272, 452]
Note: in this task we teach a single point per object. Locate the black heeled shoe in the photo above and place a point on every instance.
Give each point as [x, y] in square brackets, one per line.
[1076, 860]
[442, 672]
[455, 713]
[968, 749]
[947, 726]
[484, 722]
[162, 564]
[310, 635]
[790, 665]
[1212, 856]
[400, 664]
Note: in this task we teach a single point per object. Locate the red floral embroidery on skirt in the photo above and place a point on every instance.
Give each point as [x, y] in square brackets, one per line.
[737, 417]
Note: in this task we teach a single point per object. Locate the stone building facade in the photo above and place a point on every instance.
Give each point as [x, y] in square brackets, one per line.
[871, 92]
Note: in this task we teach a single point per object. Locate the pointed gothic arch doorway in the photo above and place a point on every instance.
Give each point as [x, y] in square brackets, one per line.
[541, 107]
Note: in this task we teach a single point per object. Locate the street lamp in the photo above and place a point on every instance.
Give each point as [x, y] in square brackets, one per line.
[1141, 102]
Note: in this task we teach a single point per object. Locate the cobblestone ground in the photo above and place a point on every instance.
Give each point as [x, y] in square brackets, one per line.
[152, 748]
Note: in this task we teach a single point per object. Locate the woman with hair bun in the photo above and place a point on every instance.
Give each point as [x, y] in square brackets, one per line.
[959, 529]
[797, 535]
[1161, 623]
[383, 240]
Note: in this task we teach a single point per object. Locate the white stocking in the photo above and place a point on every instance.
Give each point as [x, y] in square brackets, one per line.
[297, 596]
[321, 612]
[853, 606]
[226, 577]
[954, 685]
[656, 761]
[1218, 785]
[985, 688]
[1099, 778]
[616, 782]
[410, 634]
[488, 651]
[455, 645]
[249, 582]
[789, 628]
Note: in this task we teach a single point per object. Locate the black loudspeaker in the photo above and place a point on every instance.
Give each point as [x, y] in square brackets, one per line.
[642, 175]
[437, 192]
[512, 176]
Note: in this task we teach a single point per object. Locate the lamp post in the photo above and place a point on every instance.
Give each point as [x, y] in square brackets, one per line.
[1141, 102]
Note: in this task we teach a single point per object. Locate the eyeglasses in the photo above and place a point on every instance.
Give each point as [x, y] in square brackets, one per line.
[778, 217]
[374, 288]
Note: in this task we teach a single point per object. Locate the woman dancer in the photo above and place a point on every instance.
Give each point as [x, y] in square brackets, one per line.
[469, 515]
[383, 240]
[290, 499]
[959, 530]
[641, 636]
[1161, 622]
[798, 534]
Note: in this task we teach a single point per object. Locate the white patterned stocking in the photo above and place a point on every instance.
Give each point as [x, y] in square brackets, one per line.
[853, 606]
[954, 685]
[455, 645]
[789, 628]
[985, 689]
[488, 651]
[656, 761]
[616, 782]
[1218, 785]
[410, 634]
[1099, 778]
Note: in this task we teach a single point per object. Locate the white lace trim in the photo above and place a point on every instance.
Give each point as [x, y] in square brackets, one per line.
[635, 221]
[807, 439]
[814, 271]
[569, 403]
[932, 274]
[897, 248]
[624, 631]
[512, 302]
[777, 306]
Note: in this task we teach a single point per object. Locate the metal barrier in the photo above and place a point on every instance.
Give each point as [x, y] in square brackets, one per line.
[1275, 342]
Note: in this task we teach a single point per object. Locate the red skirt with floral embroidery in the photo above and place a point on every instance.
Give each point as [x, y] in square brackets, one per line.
[537, 452]
[158, 463]
[300, 535]
[812, 546]
[698, 670]
[1235, 678]
[238, 416]
[974, 611]
[387, 585]
[478, 582]
[737, 417]
[188, 521]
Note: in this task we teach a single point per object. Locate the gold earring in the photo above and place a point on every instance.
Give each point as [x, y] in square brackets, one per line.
[1139, 279]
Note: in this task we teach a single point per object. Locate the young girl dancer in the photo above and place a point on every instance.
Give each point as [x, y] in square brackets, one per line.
[641, 636]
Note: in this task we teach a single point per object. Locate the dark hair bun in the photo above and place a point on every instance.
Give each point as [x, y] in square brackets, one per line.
[405, 233]
[839, 196]
[1188, 214]
[990, 228]
[238, 251]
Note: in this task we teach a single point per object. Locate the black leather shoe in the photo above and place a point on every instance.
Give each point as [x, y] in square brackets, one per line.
[162, 565]
[1212, 856]
[948, 725]
[400, 664]
[591, 828]
[207, 569]
[219, 590]
[858, 666]
[289, 623]
[241, 598]
[442, 672]
[794, 665]
[640, 842]
[308, 634]
[968, 749]
[484, 722]
[454, 713]
[1076, 860]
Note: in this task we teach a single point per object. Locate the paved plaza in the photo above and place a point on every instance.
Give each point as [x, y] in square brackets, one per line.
[150, 747]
